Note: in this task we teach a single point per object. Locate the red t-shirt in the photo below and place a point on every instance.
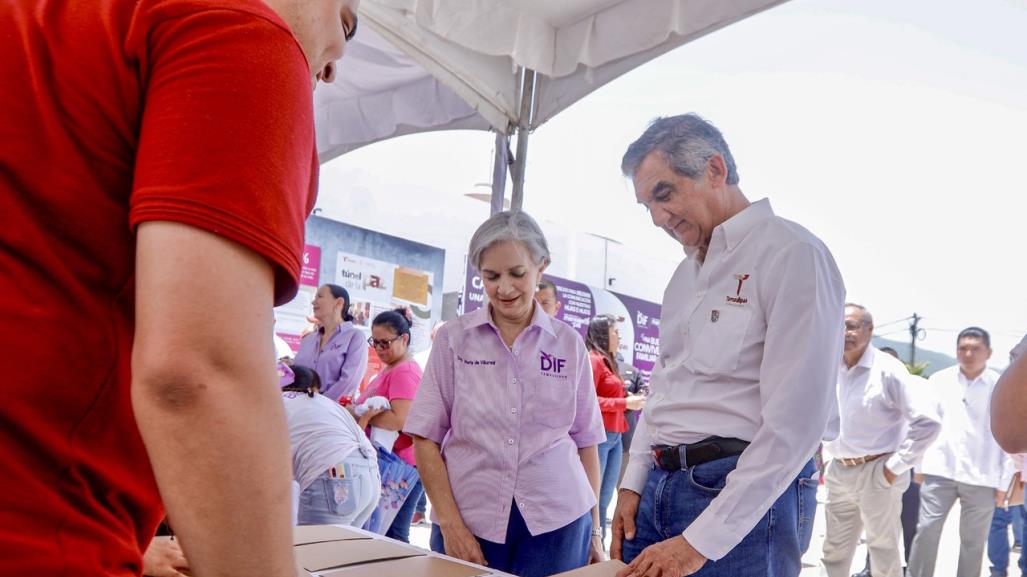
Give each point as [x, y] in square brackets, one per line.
[401, 382]
[113, 113]
[611, 393]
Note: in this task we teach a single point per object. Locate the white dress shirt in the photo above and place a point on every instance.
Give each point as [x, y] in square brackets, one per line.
[884, 409]
[749, 345]
[966, 451]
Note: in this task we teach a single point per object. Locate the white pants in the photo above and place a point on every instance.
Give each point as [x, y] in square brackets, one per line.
[860, 497]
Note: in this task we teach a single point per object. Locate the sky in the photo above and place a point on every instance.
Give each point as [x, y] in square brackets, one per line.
[895, 131]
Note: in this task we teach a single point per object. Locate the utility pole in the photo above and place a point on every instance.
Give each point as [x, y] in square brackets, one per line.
[914, 332]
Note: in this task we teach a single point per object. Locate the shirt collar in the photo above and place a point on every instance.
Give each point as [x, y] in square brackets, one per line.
[867, 360]
[539, 319]
[337, 330]
[736, 228]
[984, 377]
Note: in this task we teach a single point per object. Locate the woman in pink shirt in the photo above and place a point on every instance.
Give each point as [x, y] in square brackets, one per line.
[506, 421]
[390, 337]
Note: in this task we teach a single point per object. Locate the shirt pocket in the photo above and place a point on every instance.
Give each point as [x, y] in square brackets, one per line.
[716, 349]
[553, 402]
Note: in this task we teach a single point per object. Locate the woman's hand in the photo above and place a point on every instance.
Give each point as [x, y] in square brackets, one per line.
[636, 402]
[462, 544]
[595, 550]
[365, 420]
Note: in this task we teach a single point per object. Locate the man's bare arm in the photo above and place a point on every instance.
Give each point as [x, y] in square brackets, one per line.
[1008, 407]
[205, 397]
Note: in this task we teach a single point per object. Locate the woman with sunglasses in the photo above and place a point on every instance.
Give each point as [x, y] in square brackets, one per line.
[398, 382]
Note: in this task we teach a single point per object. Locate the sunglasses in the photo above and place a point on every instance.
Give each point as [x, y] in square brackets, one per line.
[381, 343]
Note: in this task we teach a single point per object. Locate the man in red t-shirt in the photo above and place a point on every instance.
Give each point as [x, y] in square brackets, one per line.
[157, 162]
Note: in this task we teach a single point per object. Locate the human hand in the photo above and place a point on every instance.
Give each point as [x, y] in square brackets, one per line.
[888, 475]
[1000, 498]
[365, 420]
[675, 556]
[164, 558]
[623, 521]
[918, 478]
[462, 544]
[595, 550]
[636, 402]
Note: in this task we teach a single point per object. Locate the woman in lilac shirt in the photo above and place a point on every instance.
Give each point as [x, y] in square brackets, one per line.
[506, 421]
[337, 350]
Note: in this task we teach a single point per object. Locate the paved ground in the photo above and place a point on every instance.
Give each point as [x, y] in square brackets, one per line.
[947, 556]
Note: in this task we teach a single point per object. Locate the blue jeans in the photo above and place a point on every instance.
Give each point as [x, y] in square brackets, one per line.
[998, 539]
[672, 500]
[346, 501]
[400, 528]
[528, 555]
[611, 452]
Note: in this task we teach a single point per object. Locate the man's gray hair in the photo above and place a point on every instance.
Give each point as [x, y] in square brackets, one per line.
[509, 226]
[687, 141]
[867, 317]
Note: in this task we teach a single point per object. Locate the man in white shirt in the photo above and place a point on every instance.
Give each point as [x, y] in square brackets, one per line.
[964, 463]
[750, 336]
[886, 425]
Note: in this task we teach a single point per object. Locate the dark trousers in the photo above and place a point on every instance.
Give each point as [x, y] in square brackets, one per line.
[528, 555]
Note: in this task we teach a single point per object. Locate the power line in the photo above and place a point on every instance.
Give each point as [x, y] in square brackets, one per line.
[895, 322]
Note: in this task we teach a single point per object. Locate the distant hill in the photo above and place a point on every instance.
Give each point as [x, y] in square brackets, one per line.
[936, 361]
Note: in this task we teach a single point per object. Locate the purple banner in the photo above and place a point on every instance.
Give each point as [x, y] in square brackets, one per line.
[644, 318]
[640, 329]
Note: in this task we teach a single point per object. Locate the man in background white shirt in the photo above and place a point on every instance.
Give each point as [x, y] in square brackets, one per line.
[964, 463]
[886, 425]
[750, 335]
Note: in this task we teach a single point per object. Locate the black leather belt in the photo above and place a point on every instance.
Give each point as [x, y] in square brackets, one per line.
[678, 457]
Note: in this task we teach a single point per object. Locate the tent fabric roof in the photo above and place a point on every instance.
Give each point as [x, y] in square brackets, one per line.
[419, 65]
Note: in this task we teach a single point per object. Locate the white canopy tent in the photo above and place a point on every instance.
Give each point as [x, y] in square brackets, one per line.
[501, 65]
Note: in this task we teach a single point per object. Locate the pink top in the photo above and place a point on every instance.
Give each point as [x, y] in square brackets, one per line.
[399, 382]
[511, 421]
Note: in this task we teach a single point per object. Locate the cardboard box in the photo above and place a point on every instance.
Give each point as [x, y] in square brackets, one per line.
[336, 554]
[307, 534]
[413, 567]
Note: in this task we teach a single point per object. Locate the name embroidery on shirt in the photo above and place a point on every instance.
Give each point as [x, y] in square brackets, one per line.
[551, 365]
[738, 299]
[475, 362]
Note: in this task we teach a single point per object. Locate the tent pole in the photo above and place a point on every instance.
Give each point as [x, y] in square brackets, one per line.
[528, 80]
[499, 167]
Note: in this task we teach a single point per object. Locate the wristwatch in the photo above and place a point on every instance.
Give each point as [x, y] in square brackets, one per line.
[597, 533]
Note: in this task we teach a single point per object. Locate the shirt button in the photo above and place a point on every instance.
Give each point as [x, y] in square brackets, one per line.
[513, 410]
[514, 381]
[509, 441]
[520, 505]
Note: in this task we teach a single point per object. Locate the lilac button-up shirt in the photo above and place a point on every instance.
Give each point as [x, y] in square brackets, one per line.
[510, 421]
[342, 362]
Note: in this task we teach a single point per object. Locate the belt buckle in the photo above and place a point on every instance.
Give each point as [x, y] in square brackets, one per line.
[682, 457]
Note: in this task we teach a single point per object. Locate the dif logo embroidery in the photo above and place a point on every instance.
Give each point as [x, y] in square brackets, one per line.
[551, 365]
[738, 299]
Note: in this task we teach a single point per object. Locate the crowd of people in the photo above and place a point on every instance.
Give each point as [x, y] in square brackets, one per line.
[142, 275]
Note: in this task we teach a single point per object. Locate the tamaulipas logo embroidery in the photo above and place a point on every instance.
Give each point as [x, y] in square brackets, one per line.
[738, 299]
